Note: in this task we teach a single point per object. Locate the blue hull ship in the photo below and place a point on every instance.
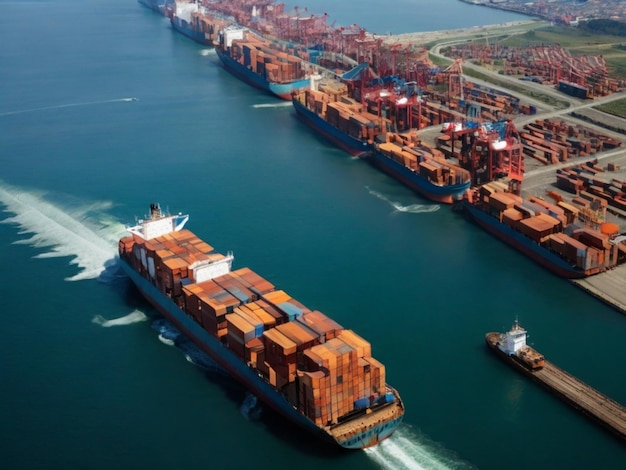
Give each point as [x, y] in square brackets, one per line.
[186, 29]
[347, 143]
[280, 90]
[538, 253]
[368, 422]
[445, 192]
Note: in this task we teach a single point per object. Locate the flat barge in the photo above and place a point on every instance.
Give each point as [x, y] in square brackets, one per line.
[511, 346]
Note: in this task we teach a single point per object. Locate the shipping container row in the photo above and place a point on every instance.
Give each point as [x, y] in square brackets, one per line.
[554, 226]
[326, 371]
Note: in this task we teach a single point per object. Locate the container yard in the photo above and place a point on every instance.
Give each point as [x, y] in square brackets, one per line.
[511, 346]
[596, 188]
[578, 76]
[551, 141]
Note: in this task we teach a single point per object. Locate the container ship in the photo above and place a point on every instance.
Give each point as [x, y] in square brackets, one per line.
[327, 109]
[380, 129]
[158, 6]
[421, 168]
[511, 346]
[545, 232]
[262, 63]
[296, 360]
[195, 22]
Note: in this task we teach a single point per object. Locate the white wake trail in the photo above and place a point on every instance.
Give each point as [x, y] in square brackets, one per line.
[279, 104]
[68, 105]
[407, 450]
[411, 208]
[133, 317]
[64, 232]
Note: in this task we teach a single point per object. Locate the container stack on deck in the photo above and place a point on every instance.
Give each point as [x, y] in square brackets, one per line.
[328, 373]
[427, 161]
[332, 103]
[552, 226]
[265, 59]
[207, 24]
[340, 376]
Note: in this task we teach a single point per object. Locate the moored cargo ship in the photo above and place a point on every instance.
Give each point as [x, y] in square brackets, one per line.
[159, 6]
[547, 233]
[335, 119]
[259, 63]
[194, 21]
[296, 360]
[423, 169]
[511, 346]
[366, 129]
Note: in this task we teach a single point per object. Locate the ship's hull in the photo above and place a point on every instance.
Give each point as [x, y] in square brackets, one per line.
[154, 5]
[281, 90]
[418, 183]
[347, 143]
[492, 341]
[522, 243]
[248, 376]
[186, 30]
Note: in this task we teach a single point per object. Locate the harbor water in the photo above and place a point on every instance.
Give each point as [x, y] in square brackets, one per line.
[103, 110]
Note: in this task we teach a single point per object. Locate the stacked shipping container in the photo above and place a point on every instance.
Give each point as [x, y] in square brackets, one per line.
[590, 182]
[430, 163]
[326, 372]
[552, 226]
[332, 103]
[266, 59]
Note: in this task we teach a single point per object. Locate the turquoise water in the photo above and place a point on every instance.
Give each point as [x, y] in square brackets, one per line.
[87, 383]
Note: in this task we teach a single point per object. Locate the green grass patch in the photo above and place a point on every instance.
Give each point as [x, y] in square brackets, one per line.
[439, 61]
[617, 108]
[565, 36]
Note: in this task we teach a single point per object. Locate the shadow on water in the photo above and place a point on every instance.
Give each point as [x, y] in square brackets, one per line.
[252, 408]
[257, 412]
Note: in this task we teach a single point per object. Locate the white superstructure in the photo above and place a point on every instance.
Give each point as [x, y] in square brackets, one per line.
[158, 224]
[513, 340]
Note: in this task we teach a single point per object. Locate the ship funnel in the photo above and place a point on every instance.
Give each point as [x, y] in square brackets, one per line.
[155, 211]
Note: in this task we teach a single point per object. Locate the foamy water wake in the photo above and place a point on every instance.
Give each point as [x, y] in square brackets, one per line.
[86, 234]
[172, 336]
[133, 317]
[411, 208]
[407, 450]
[250, 407]
[69, 105]
[278, 104]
